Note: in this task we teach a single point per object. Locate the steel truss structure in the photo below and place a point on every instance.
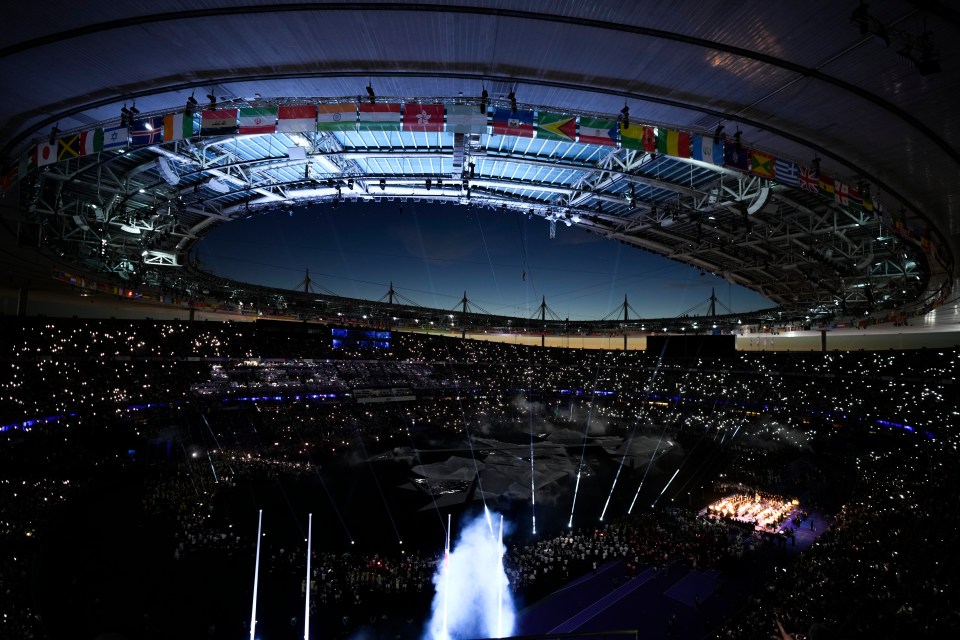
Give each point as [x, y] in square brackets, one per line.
[138, 212]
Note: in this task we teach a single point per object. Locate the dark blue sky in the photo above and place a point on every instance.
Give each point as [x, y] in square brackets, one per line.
[433, 252]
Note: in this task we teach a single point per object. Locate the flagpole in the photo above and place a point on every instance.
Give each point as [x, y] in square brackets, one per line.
[306, 608]
[256, 579]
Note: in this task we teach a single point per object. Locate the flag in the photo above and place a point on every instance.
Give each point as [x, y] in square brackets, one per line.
[673, 143]
[379, 117]
[115, 138]
[825, 186]
[46, 153]
[513, 123]
[91, 141]
[631, 137]
[786, 172]
[218, 122]
[293, 119]
[638, 137]
[841, 193]
[10, 177]
[598, 131]
[68, 147]
[337, 117]
[422, 117]
[146, 131]
[177, 126]
[466, 118]
[649, 140]
[761, 164]
[736, 156]
[707, 149]
[856, 202]
[28, 162]
[254, 120]
[554, 126]
[808, 179]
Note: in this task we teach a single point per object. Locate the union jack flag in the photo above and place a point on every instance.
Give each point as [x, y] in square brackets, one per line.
[809, 180]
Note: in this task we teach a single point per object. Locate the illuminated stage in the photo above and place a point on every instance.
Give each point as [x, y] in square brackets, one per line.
[764, 512]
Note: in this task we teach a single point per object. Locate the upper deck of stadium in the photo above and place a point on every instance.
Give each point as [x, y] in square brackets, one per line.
[808, 153]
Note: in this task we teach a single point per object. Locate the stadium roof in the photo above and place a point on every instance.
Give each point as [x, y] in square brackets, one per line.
[586, 115]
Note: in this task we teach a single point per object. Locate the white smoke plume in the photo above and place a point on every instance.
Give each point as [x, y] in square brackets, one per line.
[472, 598]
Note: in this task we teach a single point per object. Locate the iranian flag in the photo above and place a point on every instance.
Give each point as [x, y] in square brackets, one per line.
[379, 117]
[337, 117]
[254, 120]
[294, 119]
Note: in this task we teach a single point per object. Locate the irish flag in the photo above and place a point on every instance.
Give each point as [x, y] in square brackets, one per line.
[177, 126]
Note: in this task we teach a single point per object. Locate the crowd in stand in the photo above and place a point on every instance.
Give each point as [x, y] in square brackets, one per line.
[884, 564]
[886, 567]
[46, 371]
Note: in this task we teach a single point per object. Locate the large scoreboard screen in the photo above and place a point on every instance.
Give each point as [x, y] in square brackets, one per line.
[360, 339]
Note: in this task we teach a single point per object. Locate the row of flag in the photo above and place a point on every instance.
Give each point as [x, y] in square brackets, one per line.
[453, 118]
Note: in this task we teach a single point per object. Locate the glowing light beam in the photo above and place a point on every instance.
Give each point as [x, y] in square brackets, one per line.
[256, 579]
[665, 487]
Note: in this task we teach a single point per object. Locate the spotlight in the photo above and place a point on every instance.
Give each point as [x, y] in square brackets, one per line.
[736, 138]
[54, 132]
[815, 165]
[371, 94]
[350, 184]
[718, 134]
[882, 36]
[513, 101]
[429, 184]
[126, 116]
[861, 18]
[483, 100]
[191, 105]
[213, 101]
[929, 60]
[625, 116]
[133, 109]
[383, 184]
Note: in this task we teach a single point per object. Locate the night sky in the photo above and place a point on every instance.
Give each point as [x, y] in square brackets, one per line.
[433, 252]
